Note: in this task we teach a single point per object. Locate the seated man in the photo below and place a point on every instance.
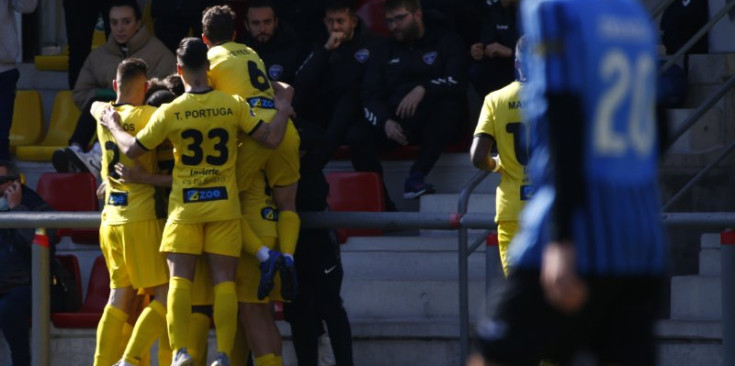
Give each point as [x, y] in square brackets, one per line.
[412, 94]
[15, 264]
[129, 38]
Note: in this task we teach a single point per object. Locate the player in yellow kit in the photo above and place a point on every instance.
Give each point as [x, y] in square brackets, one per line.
[130, 232]
[500, 123]
[237, 69]
[204, 211]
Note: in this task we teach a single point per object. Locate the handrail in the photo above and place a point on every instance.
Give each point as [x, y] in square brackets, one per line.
[697, 36]
[463, 253]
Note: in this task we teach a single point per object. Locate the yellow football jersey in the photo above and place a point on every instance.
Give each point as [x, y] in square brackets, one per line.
[126, 202]
[202, 128]
[500, 118]
[259, 208]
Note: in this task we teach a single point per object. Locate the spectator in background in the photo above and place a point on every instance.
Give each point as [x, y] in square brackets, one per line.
[492, 66]
[413, 92]
[129, 38]
[80, 17]
[173, 19]
[318, 267]
[305, 16]
[328, 84]
[9, 74]
[276, 45]
[15, 264]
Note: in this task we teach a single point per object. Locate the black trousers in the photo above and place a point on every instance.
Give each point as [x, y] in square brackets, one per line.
[319, 271]
[338, 121]
[8, 84]
[432, 127]
[80, 18]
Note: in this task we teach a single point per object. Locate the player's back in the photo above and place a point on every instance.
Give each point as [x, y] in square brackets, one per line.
[127, 202]
[601, 54]
[203, 129]
[238, 70]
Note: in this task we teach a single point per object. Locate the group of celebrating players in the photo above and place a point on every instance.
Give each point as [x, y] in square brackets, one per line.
[231, 196]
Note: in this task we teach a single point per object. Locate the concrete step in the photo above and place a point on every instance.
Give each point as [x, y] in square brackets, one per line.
[415, 266]
[709, 255]
[696, 298]
[713, 68]
[706, 135]
[417, 299]
[478, 203]
[691, 343]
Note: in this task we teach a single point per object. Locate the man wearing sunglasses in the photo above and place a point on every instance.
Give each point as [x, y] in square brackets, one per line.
[412, 94]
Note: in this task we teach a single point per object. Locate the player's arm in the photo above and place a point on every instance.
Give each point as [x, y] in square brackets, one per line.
[284, 90]
[480, 153]
[271, 134]
[374, 90]
[127, 143]
[139, 175]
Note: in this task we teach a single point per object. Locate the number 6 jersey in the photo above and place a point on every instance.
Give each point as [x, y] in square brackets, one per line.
[203, 129]
[126, 202]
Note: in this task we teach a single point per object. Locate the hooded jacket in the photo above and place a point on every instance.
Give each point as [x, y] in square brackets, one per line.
[101, 65]
[9, 45]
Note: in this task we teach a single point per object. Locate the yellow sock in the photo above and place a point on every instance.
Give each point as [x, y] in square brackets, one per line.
[151, 323]
[109, 332]
[288, 231]
[164, 348]
[127, 332]
[242, 349]
[250, 242]
[198, 335]
[178, 315]
[279, 361]
[268, 359]
[225, 315]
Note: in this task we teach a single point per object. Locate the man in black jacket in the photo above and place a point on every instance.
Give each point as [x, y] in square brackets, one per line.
[275, 43]
[413, 93]
[15, 264]
[328, 84]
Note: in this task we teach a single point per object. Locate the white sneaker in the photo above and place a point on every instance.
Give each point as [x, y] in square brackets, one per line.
[182, 358]
[221, 360]
[326, 355]
[85, 162]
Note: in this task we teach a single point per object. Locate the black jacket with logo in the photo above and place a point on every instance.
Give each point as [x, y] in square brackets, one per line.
[437, 61]
[282, 55]
[330, 74]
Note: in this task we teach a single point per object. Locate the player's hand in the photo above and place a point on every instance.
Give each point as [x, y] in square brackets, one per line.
[409, 103]
[394, 131]
[335, 39]
[110, 118]
[562, 286]
[497, 50]
[101, 190]
[284, 90]
[283, 104]
[477, 51]
[14, 194]
[135, 175]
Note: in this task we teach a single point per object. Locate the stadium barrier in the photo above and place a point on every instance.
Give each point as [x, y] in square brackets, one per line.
[383, 220]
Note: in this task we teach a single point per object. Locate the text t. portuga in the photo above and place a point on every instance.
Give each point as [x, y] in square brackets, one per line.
[204, 113]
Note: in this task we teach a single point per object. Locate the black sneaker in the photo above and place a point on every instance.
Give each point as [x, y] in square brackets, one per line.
[61, 162]
[289, 283]
[417, 190]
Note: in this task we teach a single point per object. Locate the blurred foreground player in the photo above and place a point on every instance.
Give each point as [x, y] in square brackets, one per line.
[588, 262]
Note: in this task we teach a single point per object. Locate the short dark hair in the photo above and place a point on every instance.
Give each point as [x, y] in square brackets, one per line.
[218, 23]
[160, 97]
[130, 68]
[340, 5]
[192, 53]
[11, 168]
[129, 3]
[174, 84]
[410, 5]
[260, 4]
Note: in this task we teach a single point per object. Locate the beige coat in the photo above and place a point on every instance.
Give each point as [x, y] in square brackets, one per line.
[101, 65]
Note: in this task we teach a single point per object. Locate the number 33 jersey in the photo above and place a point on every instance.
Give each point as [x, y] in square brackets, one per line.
[126, 202]
[203, 129]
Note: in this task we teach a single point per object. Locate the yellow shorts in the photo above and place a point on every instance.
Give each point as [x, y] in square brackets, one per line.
[281, 165]
[132, 256]
[202, 292]
[506, 231]
[248, 277]
[216, 237]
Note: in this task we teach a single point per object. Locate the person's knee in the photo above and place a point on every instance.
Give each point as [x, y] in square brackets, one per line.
[222, 267]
